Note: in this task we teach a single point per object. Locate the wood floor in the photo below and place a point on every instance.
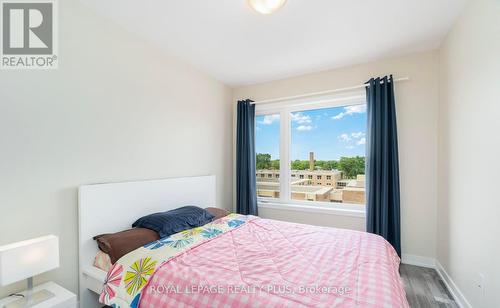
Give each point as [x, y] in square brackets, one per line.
[424, 288]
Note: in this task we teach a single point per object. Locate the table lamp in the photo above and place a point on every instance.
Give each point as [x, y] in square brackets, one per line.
[25, 259]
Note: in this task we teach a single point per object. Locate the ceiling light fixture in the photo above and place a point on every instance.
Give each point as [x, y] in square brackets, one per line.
[266, 6]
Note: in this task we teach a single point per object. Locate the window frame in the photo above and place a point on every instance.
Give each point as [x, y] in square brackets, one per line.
[285, 108]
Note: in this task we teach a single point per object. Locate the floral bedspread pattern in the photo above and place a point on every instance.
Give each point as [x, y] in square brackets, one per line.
[130, 274]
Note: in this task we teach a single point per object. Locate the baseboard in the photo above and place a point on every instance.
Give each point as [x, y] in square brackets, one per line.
[418, 260]
[452, 287]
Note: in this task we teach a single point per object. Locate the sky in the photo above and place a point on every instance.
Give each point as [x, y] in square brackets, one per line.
[330, 133]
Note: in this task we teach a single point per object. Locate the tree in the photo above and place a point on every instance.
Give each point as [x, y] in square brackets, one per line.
[275, 164]
[352, 166]
[327, 164]
[263, 161]
[300, 164]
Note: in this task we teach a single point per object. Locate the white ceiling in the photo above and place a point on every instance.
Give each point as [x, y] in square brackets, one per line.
[231, 42]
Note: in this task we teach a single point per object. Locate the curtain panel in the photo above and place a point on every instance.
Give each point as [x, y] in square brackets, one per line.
[382, 162]
[246, 193]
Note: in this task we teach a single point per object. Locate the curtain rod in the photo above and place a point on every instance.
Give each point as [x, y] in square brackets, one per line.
[322, 92]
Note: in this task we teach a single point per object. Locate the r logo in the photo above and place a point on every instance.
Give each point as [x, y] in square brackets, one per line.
[27, 28]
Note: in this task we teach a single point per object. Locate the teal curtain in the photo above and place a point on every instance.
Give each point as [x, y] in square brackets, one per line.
[382, 162]
[246, 193]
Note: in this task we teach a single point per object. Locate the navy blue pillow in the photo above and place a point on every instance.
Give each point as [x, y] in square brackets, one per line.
[173, 221]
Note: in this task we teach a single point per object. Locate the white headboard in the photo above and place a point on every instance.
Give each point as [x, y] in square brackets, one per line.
[113, 207]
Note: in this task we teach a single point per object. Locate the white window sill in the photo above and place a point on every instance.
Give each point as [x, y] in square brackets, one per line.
[312, 209]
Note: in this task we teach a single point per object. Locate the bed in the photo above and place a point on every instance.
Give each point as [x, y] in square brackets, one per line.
[234, 261]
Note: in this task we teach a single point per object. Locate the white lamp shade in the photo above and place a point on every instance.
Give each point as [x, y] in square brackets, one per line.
[29, 258]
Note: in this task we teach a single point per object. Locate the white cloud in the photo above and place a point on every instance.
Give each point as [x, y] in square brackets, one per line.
[344, 138]
[304, 128]
[352, 139]
[304, 121]
[300, 118]
[270, 119]
[357, 135]
[350, 110]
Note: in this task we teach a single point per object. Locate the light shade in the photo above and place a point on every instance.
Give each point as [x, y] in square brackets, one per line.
[29, 258]
[266, 6]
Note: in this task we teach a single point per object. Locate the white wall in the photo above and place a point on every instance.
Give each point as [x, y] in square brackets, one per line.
[116, 109]
[417, 105]
[469, 153]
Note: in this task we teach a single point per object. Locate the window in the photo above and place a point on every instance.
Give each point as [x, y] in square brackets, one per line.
[267, 144]
[330, 142]
[317, 142]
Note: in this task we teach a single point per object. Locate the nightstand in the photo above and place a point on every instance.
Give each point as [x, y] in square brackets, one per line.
[62, 297]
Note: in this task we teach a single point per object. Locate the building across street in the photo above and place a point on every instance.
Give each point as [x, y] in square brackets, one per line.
[314, 185]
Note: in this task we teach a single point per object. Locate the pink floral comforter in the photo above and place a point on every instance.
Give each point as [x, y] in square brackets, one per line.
[269, 263]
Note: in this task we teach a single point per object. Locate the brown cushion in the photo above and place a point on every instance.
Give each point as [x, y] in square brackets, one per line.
[119, 244]
[217, 212]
